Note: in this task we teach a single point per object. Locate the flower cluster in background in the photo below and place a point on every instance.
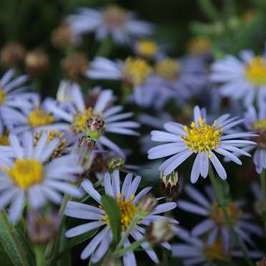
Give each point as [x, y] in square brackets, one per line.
[120, 147]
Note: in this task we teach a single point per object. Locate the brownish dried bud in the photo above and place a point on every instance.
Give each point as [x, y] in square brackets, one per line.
[170, 185]
[42, 227]
[116, 163]
[12, 54]
[75, 65]
[160, 231]
[37, 62]
[262, 262]
[147, 203]
[62, 37]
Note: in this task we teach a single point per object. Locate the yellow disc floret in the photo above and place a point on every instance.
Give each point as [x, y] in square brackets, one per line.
[256, 71]
[4, 139]
[136, 71]
[217, 214]
[147, 48]
[260, 125]
[168, 68]
[127, 210]
[215, 251]
[26, 173]
[2, 96]
[38, 117]
[79, 123]
[202, 137]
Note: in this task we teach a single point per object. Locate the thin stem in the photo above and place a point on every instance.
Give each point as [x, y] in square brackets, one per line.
[39, 255]
[209, 9]
[222, 192]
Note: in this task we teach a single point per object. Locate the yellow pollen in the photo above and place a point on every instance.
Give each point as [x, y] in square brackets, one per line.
[256, 71]
[146, 48]
[215, 251]
[168, 68]
[114, 16]
[2, 96]
[53, 134]
[199, 46]
[218, 216]
[38, 117]
[79, 123]
[202, 137]
[260, 125]
[26, 173]
[4, 140]
[136, 71]
[128, 211]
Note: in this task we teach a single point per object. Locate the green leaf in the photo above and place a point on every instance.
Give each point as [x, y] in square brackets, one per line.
[114, 216]
[13, 244]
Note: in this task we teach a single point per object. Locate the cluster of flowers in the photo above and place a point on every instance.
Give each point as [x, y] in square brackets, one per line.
[63, 152]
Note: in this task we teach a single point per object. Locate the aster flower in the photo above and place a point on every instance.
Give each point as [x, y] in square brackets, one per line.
[202, 139]
[242, 78]
[112, 21]
[257, 122]
[12, 98]
[130, 205]
[215, 224]
[29, 176]
[94, 122]
[37, 117]
[196, 251]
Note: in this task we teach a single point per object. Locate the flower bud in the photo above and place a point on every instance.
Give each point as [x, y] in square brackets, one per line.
[116, 163]
[63, 37]
[37, 62]
[75, 65]
[12, 54]
[170, 185]
[147, 203]
[160, 231]
[42, 227]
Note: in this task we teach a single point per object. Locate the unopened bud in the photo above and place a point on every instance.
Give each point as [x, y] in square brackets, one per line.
[87, 142]
[75, 65]
[12, 54]
[116, 163]
[160, 231]
[147, 203]
[37, 62]
[42, 227]
[63, 37]
[169, 184]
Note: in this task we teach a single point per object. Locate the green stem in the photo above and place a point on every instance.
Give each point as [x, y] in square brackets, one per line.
[209, 9]
[105, 47]
[39, 255]
[222, 192]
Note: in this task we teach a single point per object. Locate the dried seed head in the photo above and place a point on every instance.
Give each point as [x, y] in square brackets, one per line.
[12, 54]
[37, 62]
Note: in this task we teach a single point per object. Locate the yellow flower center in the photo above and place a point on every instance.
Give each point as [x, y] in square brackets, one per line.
[4, 140]
[260, 125]
[54, 134]
[168, 68]
[256, 71]
[218, 216]
[128, 211]
[114, 16]
[202, 137]
[215, 251]
[2, 96]
[199, 46]
[136, 71]
[146, 48]
[26, 173]
[79, 123]
[38, 117]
